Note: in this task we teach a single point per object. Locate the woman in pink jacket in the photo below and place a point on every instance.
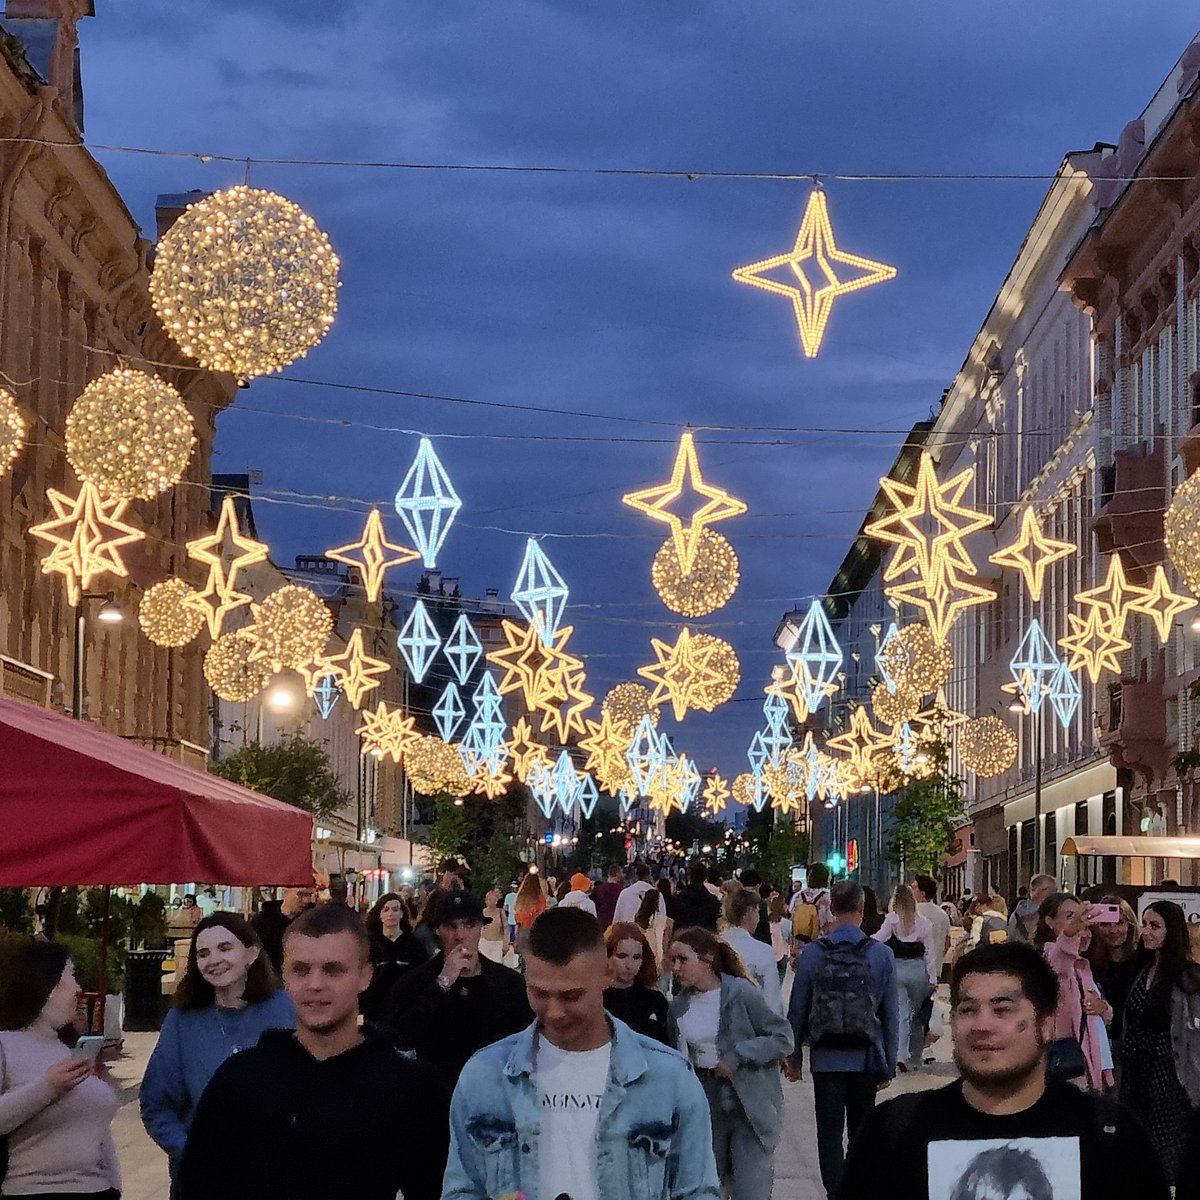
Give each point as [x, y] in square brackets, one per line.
[1062, 935]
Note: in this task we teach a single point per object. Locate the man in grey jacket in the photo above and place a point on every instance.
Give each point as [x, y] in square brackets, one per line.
[1023, 921]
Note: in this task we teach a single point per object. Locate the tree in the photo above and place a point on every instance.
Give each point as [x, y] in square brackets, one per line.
[448, 833]
[782, 848]
[926, 815]
[686, 829]
[295, 770]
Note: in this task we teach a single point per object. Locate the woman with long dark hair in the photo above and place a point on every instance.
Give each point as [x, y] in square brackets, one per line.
[736, 1043]
[1111, 952]
[632, 994]
[228, 996]
[54, 1112]
[394, 950]
[1160, 1045]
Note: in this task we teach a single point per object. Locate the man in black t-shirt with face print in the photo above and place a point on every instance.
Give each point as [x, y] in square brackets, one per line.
[1002, 1129]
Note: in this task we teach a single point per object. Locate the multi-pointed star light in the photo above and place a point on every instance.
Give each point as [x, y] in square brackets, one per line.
[656, 502]
[373, 554]
[716, 795]
[418, 641]
[606, 745]
[85, 535]
[427, 502]
[540, 593]
[565, 715]
[816, 657]
[1032, 553]
[812, 298]
[449, 711]
[525, 750]
[355, 669]
[680, 672]
[1034, 665]
[1113, 598]
[539, 670]
[488, 785]
[1161, 604]
[787, 688]
[1094, 643]
[861, 742]
[217, 599]
[226, 552]
[388, 731]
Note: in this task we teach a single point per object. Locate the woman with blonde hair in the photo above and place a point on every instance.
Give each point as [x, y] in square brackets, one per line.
[909, 936]
[632, 994]
[736, 1043]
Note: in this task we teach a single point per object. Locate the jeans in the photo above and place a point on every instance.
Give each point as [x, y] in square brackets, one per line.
[843, 1101]
[746, 1168]
[913, 981]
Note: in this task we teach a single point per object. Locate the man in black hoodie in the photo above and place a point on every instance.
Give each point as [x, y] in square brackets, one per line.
[272, 920]
[305, 1115]
[694, 906]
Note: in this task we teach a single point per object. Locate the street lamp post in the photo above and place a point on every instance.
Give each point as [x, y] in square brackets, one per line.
[1017, 706]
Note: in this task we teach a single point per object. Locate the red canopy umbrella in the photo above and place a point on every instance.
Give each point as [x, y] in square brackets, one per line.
[79, 806]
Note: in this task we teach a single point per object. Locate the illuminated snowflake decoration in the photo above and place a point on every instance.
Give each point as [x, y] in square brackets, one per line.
[427, 503]
[541, 592]
[418, 641]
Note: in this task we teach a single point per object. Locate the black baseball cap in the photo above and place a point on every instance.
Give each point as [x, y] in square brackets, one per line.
[461, 906]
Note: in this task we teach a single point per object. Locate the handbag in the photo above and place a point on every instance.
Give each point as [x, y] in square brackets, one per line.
[1064, 1056]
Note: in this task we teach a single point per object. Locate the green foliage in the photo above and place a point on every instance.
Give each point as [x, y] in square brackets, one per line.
[776, 853]
[148, 924]
[85, 954]
[15, 914]
[448, 832]
[926, 815]
[295, 770]
[688, 828]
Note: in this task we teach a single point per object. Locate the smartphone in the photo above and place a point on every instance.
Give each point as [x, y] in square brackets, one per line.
[87, 1047]
[1105, 914]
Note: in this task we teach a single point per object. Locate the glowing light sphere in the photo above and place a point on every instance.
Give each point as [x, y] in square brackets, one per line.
[245, 282]
[627, 704]
[726, 669]
[916, 658]
[291, 627]
[749, 789]
[12, 429]
[709, 584]
[166, 616]
[231, 669]
[435, 766]
[987, 746]
[130, 434]
[1181, 529]
[894, 708]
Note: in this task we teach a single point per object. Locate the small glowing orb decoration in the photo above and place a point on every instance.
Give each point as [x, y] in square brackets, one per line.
[427, 502]
[231, 669]
[291, 627]
[656, 503]
[373, 554]
[449, 711]
[130, 434]
[716, 795]
[914, 657]
[435, 766]
[682, 673]
[628, 703]
[1032, 553]
[1181, 529]
[894, 708]
[85, 536]
[387, 732]
[707, 586]
[419, 641]
[540, 592]
[816, 656]
[812, 298]
[12, 429]
[1161, 604]
[751, 790]
[725, 669]
[1064, 695]
[166, 616]
[245, 282]
[1034, 665]
[462, 648]
[987, 746]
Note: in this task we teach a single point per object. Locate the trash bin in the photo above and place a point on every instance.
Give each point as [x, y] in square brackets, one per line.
[145, 1004]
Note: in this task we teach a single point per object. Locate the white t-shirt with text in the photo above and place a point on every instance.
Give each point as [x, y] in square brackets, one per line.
[570, 1087]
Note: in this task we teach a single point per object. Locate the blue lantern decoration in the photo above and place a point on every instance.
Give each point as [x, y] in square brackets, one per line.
[1034, 665]
[540, 593]
[566, 781]
[628, 798]
[643, 755]
[448, 712]
[586, 794]
[758, 755]
[776, 742]
[427, 503]
[540, 781]
[418, 641]
[1064, 695]
[689, 783]
[487, 699]
[775, 709]
[759, 794]
[881, 657]
[463, 648]
[326, 694]
[816, 657]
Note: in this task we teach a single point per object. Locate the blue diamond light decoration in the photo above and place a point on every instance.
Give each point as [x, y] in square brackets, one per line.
[566, 781]
[775, 709]
[448, 712]
[758, 755]
[586, 794]
[881, 660]
[487, 699]
[628, 799]
[418, 641]
[427, 503]
[1034, 665]
[776, 742]
[326, 694]
[906, 749]
[689, 783]
[540, 781]
[1064, 695]
[540, 592]
[643, 755]
[814, 776]
[463, 648]
[816, 657]
[759, 795]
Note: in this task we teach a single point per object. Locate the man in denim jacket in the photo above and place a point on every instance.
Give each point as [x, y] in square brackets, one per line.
[577, 1104]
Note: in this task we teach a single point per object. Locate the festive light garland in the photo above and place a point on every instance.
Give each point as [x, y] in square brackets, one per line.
[1181, 531]
[12, 430]
[813, 302]
[709, 584]
[167, 615]
[628, 703]
[1032, 553]
[130, 434]
[373, 554]
[723, 665]
[540, 592]
[231, 668]
[427, 502]
[987, 746]
[245, 282]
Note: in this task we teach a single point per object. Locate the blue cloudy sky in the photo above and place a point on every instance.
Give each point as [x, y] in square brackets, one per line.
[610, 295]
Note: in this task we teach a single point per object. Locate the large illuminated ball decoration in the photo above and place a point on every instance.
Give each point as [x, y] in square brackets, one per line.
[291, 627]
[12, 429]
[724, 664]
[627, 703]
[709, 584]
[166, 616]
[232, 671]
[245, 282]
[130, 434]
[744, 788]
[1181, 528]
[894, 707]
[435, 766]
[987, 746]
[916, 658]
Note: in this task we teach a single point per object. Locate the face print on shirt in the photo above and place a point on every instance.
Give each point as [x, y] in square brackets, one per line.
[995, 1169]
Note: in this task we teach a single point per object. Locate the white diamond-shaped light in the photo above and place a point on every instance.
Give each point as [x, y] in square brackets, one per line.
[427, 503]
[540, 593]
[1034, 665]
[418, 641]
[816, 657]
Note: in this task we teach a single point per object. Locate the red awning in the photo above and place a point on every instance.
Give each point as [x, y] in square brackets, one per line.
[79, 806]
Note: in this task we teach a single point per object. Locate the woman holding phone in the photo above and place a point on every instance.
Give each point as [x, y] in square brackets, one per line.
[54, 1111]
[228, 996]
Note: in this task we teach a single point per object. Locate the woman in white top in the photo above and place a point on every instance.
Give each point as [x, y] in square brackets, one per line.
[909, 936]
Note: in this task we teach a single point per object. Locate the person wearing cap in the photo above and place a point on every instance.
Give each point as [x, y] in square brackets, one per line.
[578, 896]
[459, 1001]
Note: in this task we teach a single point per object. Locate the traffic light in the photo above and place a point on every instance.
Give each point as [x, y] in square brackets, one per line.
[836, 863]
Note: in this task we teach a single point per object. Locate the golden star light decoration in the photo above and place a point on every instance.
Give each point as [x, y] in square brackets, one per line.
[86, 536]
[387, 732]
[354, 669]
[1094, 643]
[715, 795]
[167, 616]
[231, 669]
[862, 742]
[812, 297]
[539, 671]
[524, 749]
[226, 551]
[724, 667]
[484, 783]
[606, 745]
[681, 674]
[12, 430]
[291, 627]
[373, 554]
[709, 584]
[1032, 553]
[1161, 604]
[565, 715]
[657, 503]
[1112, 598]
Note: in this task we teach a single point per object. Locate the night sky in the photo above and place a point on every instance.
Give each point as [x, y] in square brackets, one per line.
[611, 296]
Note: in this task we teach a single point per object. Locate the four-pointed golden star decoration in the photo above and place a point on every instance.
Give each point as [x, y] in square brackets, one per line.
[566, 716]
[354, 668]
[812, 303]
[1032, 553]
[86, 535]
[1161, 604]
[606, 745]
[934, 722]
[862, 741]
[1113, 598]
[715, 795]
[524, 749]
[655, 502]
[373, 554]
[217, 548]
[388, 731]
[217, 599]
[681, 672]
[943, 604]
[1094, 643]
[538, 670]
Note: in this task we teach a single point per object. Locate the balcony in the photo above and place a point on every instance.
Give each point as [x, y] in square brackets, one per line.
[1132, 500]
[1136, 738]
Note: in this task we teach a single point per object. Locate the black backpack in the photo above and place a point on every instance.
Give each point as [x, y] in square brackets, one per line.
[843, 1014]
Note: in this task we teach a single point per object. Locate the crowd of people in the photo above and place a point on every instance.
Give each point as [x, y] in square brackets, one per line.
[584, 1039]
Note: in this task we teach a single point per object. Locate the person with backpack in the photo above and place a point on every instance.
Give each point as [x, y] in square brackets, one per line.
[1002, 1128]
[845, 1003]
[811, 917]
